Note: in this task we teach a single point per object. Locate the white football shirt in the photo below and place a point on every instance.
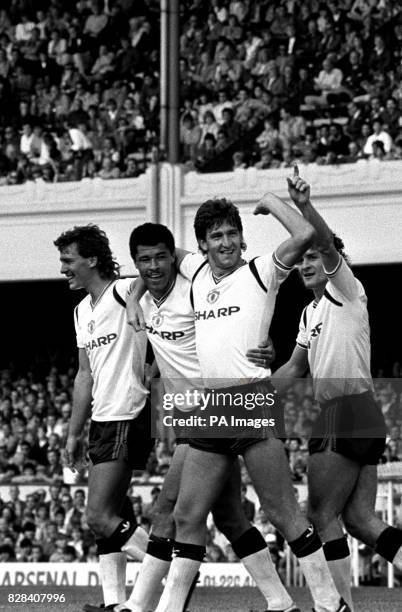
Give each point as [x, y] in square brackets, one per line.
[171, 331]
[336, 333]
[228, 313]
[116, 354]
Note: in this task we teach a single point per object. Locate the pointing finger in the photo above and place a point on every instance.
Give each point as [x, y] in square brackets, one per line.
[296, 170]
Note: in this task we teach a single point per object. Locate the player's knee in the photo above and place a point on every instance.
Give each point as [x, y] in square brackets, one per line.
[354, 522]
[279, 520]
[163, 524]
[188, 518]
[321, 516]
[279, 514]
[231, 527]
[163, 507]
[97, 521]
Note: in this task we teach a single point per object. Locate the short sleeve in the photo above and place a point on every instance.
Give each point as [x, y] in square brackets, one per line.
[302, 339]
[272, 271]
[123, 285]
[342, 281]
[190, 264]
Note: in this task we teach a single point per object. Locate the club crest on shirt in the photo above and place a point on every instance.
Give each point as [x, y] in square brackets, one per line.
[91, 327]
[157, 319]
[212, 296]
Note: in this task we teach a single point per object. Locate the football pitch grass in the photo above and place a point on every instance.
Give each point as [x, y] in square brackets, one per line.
[205, 599]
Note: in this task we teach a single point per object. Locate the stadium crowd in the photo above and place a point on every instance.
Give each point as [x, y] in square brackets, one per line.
[50, 522]
[262, 83]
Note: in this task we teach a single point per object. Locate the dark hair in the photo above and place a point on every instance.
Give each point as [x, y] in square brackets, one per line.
[228, 110]
[91, 241]
[25, 543]
[339, 245]
[70, 550]
[5, 548]
[211, 137]
[379, 144]
[150, 234]
[215, 212]
[28, 526]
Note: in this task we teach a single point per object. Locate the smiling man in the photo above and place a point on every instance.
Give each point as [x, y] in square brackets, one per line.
[232, 300]
[348, 439]
[109, 388]
[170, 325]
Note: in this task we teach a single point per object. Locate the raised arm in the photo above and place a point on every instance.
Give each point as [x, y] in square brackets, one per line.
[299, 191]
[301, 231]
[82, 400]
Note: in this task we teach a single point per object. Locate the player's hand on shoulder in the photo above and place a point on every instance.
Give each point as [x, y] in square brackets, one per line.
[263, 355]
[298, 188]
[135, 315]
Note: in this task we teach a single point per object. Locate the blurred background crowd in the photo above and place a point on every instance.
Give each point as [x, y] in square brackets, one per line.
[262, 83]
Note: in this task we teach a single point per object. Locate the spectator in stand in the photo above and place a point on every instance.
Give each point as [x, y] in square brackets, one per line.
[291, 128]
[328, 81]
[230, 124]
[239, 160]
[207, 150]
[379, 60]
[131, 169]
[378, 134]
[58, 556]
[322, 146]
[375, 109]
[228, 69]
[94, 25]
[108, 170]
[90, 553]
[391, 116]
[54, 469]
[268, 139]
[222, 103]
[56, 49]
[190, 136]
[355, 72]
[306, 149]
[260, 68]
[379, 151]
[77, 541]
[273, 81]
[204, 71]
[338, 143]
[232, 30]
[6, 553]
[355, 120]
[222, 141]
[331, 40]
[208, 125]
[395, 437]
[37, 555]
[311, 42]
[24, 29]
